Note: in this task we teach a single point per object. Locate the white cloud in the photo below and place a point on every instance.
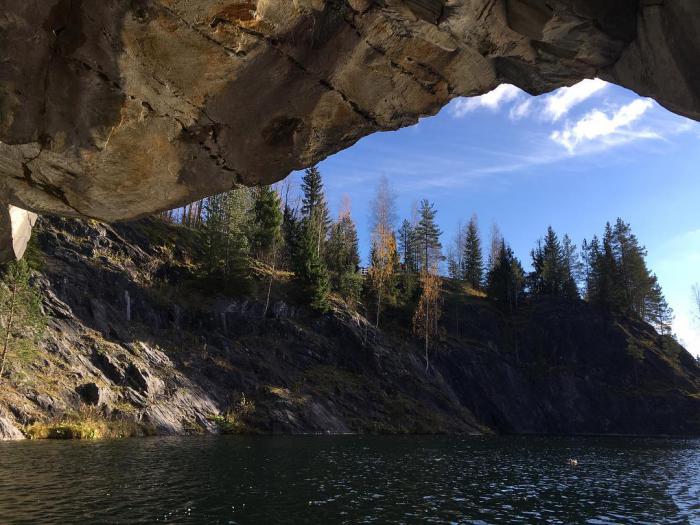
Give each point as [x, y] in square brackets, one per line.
[598, 125]
[688, 331]
[521, 110]
[563, 100]
[493, 100]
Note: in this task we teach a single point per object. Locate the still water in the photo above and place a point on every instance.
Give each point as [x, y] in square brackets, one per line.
[351, 479]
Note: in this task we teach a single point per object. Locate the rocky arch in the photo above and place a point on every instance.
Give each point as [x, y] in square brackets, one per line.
[121, 108]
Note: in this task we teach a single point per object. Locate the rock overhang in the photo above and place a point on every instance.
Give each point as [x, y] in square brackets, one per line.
[115, 110]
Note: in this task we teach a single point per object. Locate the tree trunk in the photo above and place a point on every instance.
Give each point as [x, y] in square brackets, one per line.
[427, 335]
[269, 291]
[8, 329]
[379, 304]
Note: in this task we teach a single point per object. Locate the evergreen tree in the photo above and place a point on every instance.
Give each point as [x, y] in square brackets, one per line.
[343, 257]
[314, 209]
[407, 246]
[590, 255]
[21, 319]
[427, 236]
[506, 280]
[291, 235]
[619, 280]
[472, 260]
[554, 264]
[266, 223]
[571, 269]
[226, 231]
[311, 269]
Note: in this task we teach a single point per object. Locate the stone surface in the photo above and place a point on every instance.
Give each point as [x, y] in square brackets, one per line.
[15, 230]
[8, 431]
[118, 109]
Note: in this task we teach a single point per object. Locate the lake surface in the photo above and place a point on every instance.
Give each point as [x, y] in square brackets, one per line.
[351, 479]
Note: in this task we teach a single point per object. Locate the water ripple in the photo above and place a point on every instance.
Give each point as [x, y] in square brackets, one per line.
[351, 479]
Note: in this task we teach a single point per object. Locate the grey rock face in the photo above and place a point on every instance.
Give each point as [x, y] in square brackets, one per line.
[114, 110]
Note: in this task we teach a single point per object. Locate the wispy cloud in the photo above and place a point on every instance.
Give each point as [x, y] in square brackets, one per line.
[521, 110]
[559, 103]
[598, 125]
[493, 100]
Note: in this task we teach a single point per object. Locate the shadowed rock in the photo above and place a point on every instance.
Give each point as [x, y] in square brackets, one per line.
[115, 110]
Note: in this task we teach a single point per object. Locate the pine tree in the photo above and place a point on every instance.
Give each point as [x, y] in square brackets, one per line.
[472, 261]
[427, 236]
[21, 319]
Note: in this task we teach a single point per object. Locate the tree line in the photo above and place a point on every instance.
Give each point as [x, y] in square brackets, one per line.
[405, 258]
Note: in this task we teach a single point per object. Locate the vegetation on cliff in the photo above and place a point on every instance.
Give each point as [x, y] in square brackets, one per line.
[254, 315]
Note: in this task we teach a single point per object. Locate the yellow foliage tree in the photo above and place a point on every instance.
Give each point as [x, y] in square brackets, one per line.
[384, 262]
[428, 311]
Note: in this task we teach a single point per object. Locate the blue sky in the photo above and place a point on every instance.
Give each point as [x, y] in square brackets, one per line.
[574, 159]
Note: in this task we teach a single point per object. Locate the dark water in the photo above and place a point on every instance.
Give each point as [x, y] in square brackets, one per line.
[351, 479]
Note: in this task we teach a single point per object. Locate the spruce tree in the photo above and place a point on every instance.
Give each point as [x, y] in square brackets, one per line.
[226, 231]
[311, 269]
[472, 261]
[427, 236]
[343, 257]
[554, 265]
[505, 280]
[407, 249]
[591, 255]
[314, 209]
[266, 223]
